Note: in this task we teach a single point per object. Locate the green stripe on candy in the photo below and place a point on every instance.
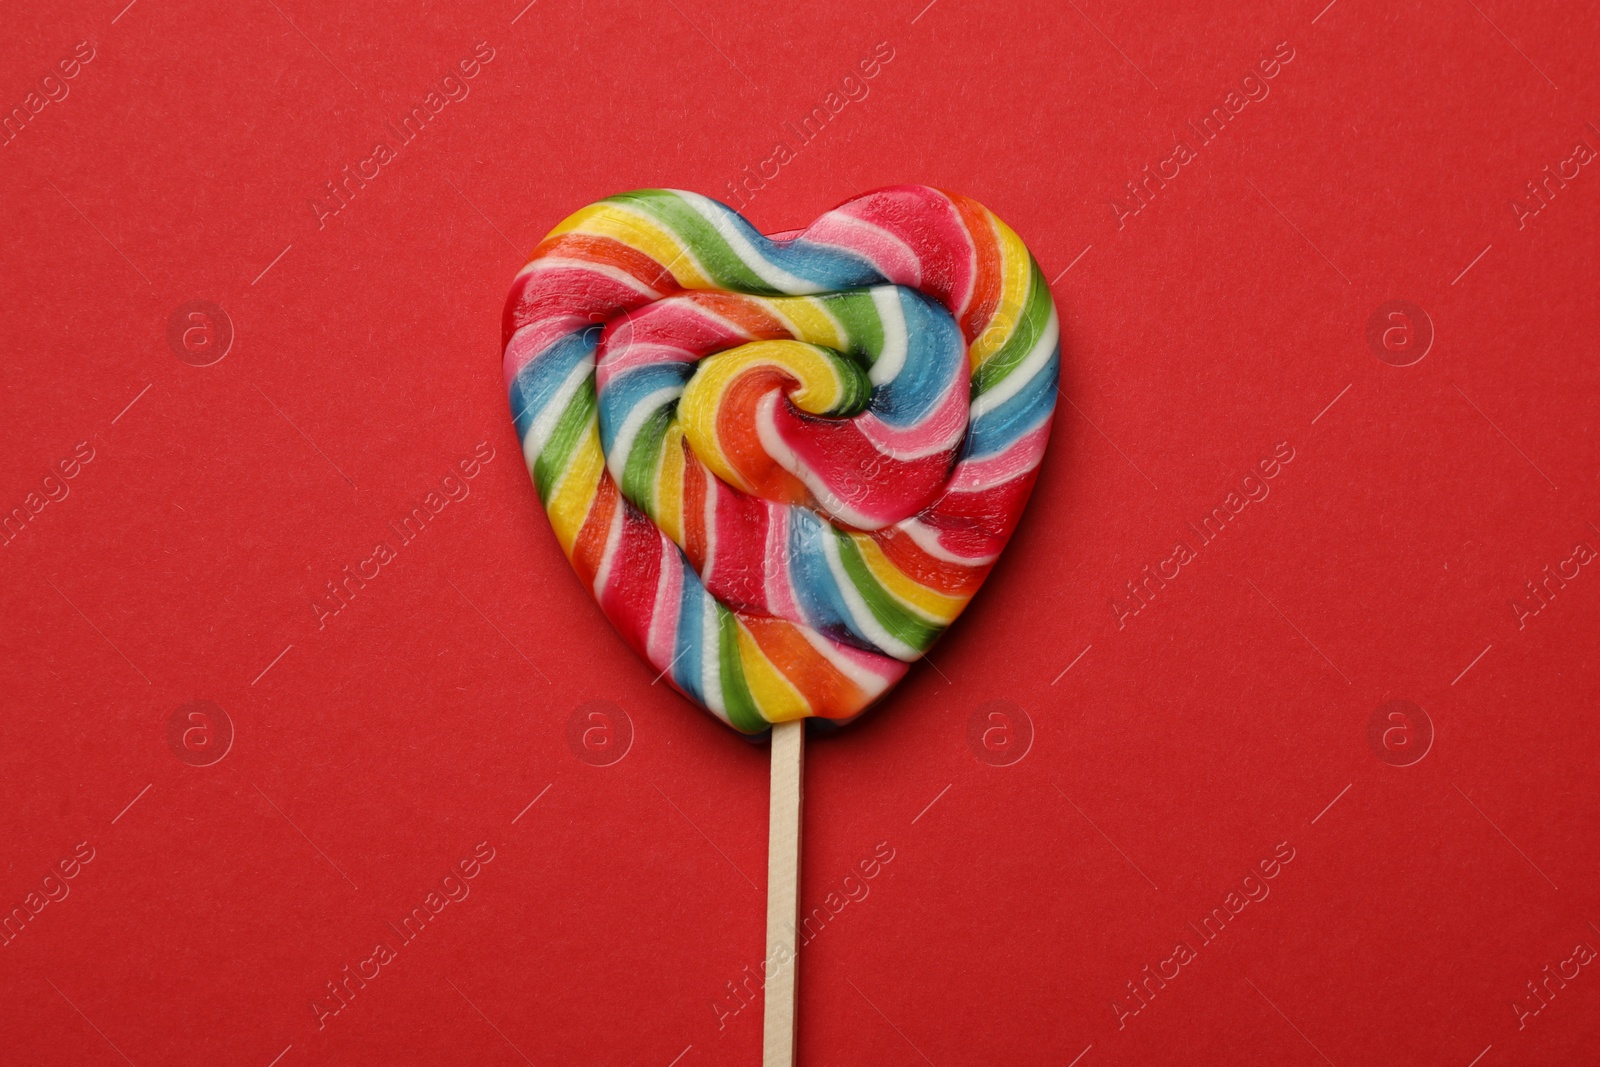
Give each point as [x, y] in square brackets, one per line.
[727, 270]
[852, 384]
[737, 702]
[905, 627]
[857, 312]
[552, 461]
[644, 459]
[1035, 315]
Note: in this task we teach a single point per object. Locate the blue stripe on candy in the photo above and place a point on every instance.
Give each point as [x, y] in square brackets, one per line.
[624, 391]
[823, 265]
[537, 382]
[934, 352]
[833, 268]
[686, 649]
[815, 588]
[997, 430]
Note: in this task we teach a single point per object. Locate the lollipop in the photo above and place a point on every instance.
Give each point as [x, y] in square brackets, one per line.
[783, 466]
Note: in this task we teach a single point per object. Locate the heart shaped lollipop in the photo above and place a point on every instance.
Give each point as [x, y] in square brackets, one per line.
[783, 466]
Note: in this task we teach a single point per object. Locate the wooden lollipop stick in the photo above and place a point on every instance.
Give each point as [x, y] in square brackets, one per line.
[783, 893]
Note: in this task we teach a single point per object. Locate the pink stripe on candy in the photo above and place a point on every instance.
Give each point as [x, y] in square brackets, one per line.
[1023, 455]
[664, 614]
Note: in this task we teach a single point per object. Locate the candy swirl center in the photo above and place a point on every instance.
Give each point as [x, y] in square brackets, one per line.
[852, 405]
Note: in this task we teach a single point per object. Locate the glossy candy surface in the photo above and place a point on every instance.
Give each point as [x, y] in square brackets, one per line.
[783, 467]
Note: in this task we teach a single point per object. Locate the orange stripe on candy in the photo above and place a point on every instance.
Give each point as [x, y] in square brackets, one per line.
[831, 694]
[741, 441]
[694, 509]
[989, 277]
[942, 576]
[608, 252]
[588, 551]
[744, 312]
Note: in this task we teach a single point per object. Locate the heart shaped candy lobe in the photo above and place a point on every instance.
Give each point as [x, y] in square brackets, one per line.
[782, 466]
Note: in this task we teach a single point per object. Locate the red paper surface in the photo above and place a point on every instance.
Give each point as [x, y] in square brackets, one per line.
[1166, 754]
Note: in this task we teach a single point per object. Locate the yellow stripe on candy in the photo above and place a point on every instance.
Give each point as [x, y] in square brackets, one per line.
[819, 389]
[775, 697]
[809, 320]
[640, 232]
[669, 484]
[931, 604]
[1015, 272]
[569, 504]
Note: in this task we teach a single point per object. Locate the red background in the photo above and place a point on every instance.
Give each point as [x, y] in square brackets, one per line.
[374, 752]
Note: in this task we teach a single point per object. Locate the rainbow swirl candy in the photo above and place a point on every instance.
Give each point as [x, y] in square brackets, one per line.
[783, 466]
